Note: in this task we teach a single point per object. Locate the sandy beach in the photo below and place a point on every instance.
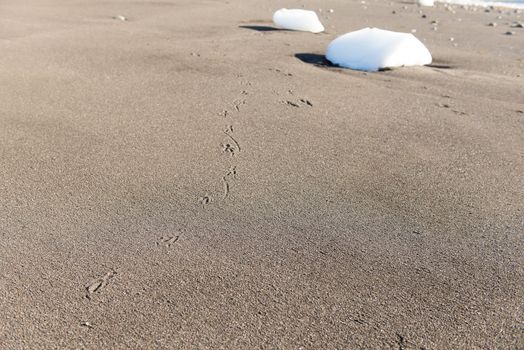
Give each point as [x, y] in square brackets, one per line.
[187, 176]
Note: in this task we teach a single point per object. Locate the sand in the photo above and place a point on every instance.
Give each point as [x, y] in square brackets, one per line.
[193, 178]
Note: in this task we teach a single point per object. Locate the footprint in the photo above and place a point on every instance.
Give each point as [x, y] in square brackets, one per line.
[306, 102]
[299, 103]
[100, 283]
[228, 148]
[232, 172]
[448, 106]
[459, 112]
[204, 201]
[292, 104]
[281, 72]
[233, 146]
[224, 113]
[238, 103]
[168, 241]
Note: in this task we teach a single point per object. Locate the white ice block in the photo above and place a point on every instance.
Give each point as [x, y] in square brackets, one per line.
[371, 49]
[426, 2]
[297, 19]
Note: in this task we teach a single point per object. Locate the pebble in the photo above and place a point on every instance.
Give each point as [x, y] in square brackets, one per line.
[509, 33]
[120, 18]
[492, 24]
[517, 25]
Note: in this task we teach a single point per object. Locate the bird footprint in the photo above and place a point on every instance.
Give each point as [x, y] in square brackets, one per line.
[169, 240]
[97, 285]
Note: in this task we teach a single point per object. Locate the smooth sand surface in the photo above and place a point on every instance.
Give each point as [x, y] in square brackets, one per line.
[194, 178]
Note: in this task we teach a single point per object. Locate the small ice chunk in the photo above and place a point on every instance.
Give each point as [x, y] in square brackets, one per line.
[371, 49]
[120, 18]
[426, 2]
[296, 19]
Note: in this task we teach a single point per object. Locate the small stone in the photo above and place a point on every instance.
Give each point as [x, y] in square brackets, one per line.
[451, 39]
[509, 33]
[517, 25]
[120, 18]
[492, 24]
[424, 16]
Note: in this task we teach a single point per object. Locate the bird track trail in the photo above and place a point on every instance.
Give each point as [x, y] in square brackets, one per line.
[231, 146]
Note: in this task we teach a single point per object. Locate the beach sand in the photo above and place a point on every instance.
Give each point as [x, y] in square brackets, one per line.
[193, 178]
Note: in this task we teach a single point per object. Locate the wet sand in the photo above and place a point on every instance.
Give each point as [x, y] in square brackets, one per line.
[192, 177]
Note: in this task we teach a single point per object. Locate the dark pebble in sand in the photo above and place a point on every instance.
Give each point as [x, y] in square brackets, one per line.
[517, 25]
[509, 33]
